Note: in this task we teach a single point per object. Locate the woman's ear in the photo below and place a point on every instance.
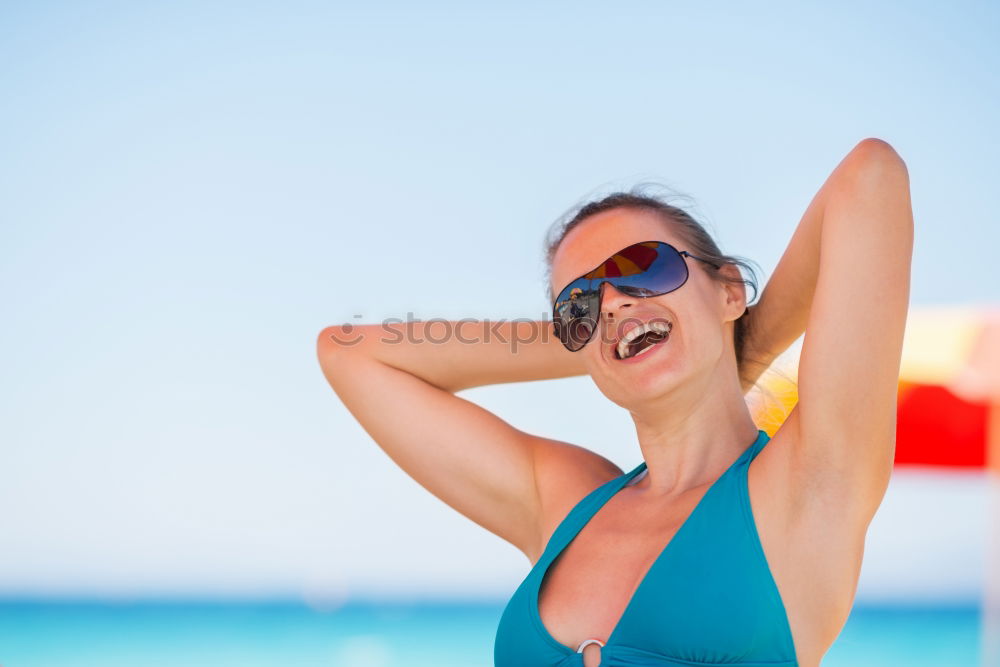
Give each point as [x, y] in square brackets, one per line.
[735, 292]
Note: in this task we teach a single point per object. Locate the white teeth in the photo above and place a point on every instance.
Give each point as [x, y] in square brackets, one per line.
[658, 326]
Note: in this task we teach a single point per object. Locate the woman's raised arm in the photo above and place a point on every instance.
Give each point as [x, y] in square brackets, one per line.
[842, 430]
[399, 382]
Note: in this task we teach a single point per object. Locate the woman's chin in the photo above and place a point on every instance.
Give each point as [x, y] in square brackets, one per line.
[645, 376]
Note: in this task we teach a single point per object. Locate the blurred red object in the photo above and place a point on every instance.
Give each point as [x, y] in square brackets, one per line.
[948, 403]
[937, 428]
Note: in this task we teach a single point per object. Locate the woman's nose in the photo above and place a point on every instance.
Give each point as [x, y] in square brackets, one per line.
[613, 299]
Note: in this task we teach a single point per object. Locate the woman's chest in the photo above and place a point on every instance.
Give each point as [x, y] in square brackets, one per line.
[682, 581]
[586, 589]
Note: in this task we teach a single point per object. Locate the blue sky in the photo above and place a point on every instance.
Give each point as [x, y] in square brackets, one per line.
[191, 192]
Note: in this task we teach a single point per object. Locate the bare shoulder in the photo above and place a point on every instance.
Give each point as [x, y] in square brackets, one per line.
[564, 474]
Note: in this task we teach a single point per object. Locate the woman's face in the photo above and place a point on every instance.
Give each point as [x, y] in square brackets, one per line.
[700, 312]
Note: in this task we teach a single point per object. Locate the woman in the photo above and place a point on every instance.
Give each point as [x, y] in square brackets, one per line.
[724, 545]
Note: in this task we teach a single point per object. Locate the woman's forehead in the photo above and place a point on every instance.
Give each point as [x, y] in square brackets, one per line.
[602, 235]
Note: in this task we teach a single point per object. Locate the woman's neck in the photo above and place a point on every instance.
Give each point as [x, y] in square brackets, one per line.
[688, 438]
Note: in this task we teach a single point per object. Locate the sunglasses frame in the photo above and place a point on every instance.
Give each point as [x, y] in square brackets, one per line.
[556, 326]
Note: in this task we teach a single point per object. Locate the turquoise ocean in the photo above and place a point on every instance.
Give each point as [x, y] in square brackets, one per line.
[382, 634]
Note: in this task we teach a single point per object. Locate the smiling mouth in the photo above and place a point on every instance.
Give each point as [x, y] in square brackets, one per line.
[642, 339]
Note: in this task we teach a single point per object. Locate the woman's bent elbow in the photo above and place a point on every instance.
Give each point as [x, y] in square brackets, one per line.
[335, 340]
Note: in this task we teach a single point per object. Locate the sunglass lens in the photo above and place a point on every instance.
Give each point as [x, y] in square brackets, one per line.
[649, 269]
[573, 314]
[580, 331]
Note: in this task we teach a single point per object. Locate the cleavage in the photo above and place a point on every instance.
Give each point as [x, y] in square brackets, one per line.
[589, 585]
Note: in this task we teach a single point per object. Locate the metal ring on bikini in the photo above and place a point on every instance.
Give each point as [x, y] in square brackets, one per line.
[588, 643]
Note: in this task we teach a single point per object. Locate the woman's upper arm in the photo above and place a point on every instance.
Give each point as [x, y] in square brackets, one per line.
[465, 455]
[843, 426]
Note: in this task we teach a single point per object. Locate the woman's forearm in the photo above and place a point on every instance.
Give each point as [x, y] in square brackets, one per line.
[456, 355]
[780, 315]
[752, 366]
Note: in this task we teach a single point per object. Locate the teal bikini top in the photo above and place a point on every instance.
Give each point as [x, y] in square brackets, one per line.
[708, 599]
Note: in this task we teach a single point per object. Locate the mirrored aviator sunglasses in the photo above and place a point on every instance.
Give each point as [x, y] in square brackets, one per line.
[649, 268]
